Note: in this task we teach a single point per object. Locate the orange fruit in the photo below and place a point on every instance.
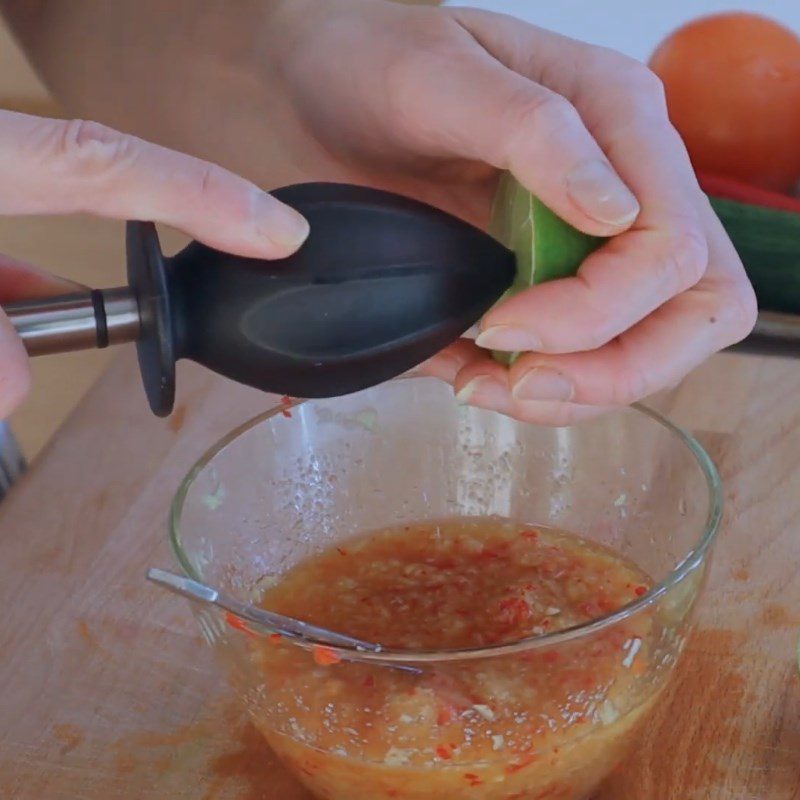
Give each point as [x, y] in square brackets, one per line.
[733, 89]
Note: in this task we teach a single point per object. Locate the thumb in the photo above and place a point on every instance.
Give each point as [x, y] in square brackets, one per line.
[474, 107]
[20, 281]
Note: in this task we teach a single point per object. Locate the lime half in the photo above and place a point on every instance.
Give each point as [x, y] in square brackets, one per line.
[546, 247]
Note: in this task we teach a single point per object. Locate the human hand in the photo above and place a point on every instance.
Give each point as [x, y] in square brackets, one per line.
[422, 100]
[434, 103]
[55, 167]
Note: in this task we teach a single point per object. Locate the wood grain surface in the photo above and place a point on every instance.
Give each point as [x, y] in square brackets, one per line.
[107, 691]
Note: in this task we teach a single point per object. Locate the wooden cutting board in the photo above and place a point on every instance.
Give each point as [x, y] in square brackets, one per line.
[107, 691]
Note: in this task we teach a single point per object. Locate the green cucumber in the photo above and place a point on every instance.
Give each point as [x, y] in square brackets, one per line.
[547, 248]
[768, 242]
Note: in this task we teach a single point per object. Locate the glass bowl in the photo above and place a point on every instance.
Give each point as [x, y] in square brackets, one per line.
[309, 475]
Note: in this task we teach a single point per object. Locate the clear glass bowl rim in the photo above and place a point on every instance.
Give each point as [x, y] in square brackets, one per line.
[693, 559]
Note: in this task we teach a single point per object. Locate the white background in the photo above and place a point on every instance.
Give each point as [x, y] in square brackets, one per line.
[633, 26]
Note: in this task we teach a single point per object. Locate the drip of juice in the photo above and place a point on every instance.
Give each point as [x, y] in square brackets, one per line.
[542, 722]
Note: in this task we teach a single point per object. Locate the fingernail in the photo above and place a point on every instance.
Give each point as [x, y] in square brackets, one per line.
[278, 222]
[484, 390]
[542, 383]
[508, 339]
[597, 190]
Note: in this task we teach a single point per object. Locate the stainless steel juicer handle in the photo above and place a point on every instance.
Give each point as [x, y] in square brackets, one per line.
[81, 321]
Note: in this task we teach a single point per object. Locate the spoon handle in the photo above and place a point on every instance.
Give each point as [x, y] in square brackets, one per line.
[286, 626]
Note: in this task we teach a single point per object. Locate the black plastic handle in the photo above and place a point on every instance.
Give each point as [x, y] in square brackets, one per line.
[381, 285]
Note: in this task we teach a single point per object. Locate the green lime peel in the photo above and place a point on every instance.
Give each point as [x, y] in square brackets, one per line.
[546, 247]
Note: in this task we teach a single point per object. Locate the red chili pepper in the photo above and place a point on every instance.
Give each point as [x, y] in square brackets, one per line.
[324, 656]
[275, 638]
[239, 625]
[474, 780]
[341, 551]
[445, 715]
[729, 189]
[515, 610]
[444, 751]
[606, 605]
[640, 591]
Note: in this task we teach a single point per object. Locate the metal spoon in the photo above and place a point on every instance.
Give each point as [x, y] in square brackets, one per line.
[275, 623]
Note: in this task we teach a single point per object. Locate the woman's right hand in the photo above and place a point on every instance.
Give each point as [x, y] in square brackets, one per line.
[50, 166]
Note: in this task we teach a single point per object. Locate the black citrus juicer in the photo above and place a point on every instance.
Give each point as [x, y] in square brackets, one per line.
[381, 284]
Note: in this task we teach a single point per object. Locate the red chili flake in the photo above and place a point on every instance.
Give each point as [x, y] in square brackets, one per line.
[590, 609]
[369, 681]
[324, 656]
[341, 551]
[531, 534]
[275, 638]
[474, 780]
[552, 656]
[515, 610]
[445, 715]
[286, 401]
[444, 751]
[640, 591]
[517, 766]
[239, 625]
[606, 605]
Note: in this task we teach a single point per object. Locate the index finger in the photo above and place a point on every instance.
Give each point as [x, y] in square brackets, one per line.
[52, 166]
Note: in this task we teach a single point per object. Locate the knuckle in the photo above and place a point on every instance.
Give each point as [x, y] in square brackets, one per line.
[739, 308]
[91, 149]
[684, 261]
[634, 384]
[542, 111]
[639, 81]
[206, 177]
[648, 86]
[598, 316]
[406, 68]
